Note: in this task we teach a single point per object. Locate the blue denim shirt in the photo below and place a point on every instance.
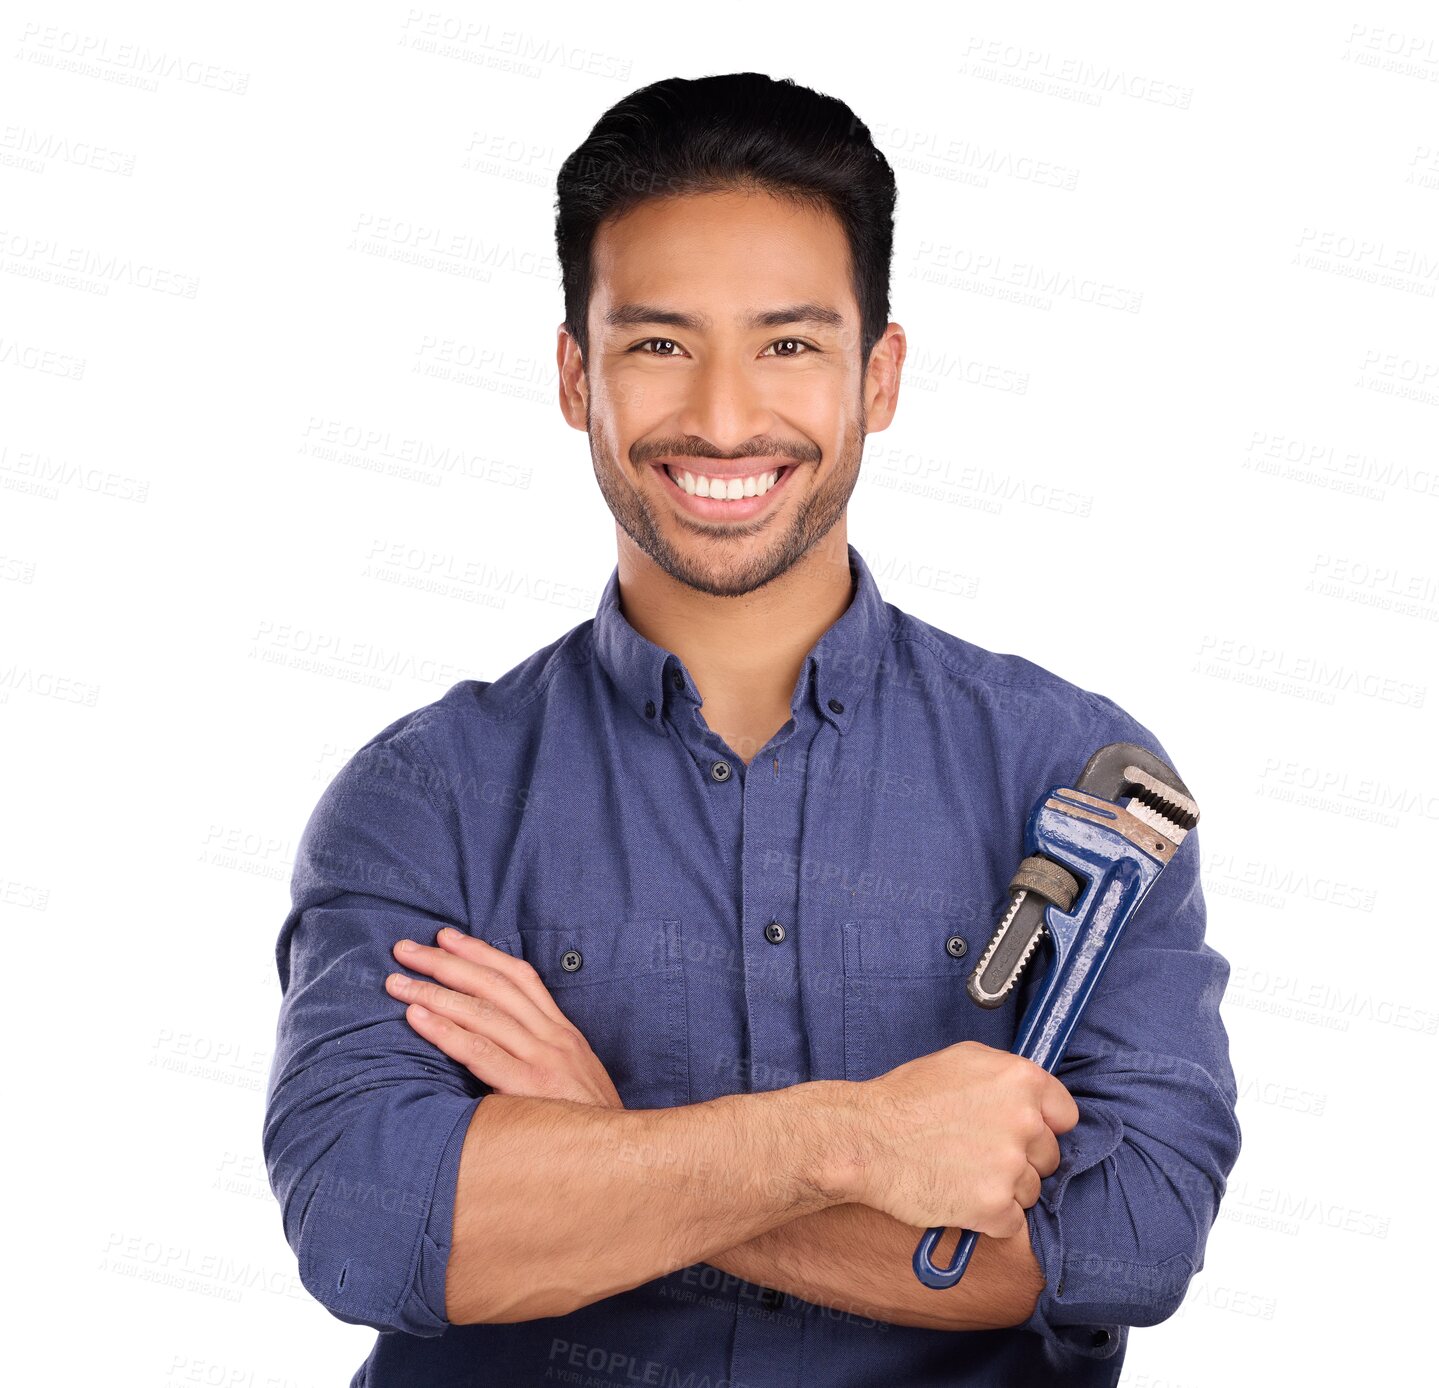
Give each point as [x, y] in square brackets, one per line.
[580, 804]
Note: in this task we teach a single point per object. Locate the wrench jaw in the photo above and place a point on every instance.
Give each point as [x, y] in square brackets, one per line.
[1124, 787]
[1122, 771]
[1009, 950]
[1116, 856]
[1163, 806]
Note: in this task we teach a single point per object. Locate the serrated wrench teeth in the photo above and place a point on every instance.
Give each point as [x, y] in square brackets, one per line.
[984, 987]
[1176, 808]
[1173, 832]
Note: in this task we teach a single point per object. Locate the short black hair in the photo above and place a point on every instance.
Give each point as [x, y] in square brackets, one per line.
[737, 130]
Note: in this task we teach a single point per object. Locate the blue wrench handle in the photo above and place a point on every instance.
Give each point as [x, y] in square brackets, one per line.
[1118, 874]
[925, 1268]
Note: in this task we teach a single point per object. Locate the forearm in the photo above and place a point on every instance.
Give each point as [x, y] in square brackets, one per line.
[859, 1260]
[560, 1204]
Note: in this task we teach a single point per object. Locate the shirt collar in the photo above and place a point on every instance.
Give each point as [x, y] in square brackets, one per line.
[841, 666]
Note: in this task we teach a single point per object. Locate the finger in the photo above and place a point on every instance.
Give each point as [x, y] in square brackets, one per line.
[481, 980]
[1043, 1151]
[1021, 1224]
[477, 951]
[467, 970]
[1058, 1106]
[1010, 1224]
[482, 1016]
[488, 1062]
[1026, 1189]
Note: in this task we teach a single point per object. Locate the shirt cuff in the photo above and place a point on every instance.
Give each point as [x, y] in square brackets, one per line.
[1063, 1316]
[380, 1256]
[436, 1237]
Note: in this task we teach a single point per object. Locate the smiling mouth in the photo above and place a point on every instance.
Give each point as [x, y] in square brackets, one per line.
[722, 489]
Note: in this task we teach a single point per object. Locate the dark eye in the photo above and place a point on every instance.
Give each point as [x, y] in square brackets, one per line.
[667, 341]
[790, 342]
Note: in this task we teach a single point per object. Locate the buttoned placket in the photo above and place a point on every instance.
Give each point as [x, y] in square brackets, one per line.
[768, 1345]
[781, 835]
[764, 808]
[766, 797]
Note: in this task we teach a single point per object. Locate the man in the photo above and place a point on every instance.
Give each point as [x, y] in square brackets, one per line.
[624, 1035]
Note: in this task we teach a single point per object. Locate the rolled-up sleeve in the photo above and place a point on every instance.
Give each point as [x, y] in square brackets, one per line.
[364, 1119]
[1120, 1227]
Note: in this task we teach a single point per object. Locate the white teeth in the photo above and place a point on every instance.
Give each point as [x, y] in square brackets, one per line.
[724, 488]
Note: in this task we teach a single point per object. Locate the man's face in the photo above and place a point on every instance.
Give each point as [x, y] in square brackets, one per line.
[682, 369]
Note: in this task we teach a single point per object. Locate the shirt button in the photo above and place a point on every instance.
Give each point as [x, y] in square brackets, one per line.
[571, 960]
[677, 681]
[719, 771]
[649, 708]
[835, 706]
[1099, 1339]
[956, 946]
[774, 932]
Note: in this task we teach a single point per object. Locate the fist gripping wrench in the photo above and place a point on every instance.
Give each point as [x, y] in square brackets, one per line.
[1092, 854]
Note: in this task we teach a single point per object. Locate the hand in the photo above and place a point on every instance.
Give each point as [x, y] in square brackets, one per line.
[497, 1018]
[959, 1138]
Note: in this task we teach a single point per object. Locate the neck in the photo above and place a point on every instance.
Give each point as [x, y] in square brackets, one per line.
[743, 653]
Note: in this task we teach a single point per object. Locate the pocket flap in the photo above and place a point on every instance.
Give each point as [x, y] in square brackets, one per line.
[902, 947]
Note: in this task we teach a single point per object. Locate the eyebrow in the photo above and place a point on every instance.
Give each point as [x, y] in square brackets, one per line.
[643, 315]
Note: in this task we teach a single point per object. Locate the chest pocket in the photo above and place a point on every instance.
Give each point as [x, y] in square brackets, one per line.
[621, 982]
[904, 992]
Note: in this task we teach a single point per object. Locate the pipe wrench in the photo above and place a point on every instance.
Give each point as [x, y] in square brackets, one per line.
[1092, 853]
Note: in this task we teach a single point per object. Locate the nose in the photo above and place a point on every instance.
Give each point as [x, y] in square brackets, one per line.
[725, 404]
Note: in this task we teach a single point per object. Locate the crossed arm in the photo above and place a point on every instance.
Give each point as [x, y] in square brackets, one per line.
[361, 1120]
[856, 1259]
[491, 1014]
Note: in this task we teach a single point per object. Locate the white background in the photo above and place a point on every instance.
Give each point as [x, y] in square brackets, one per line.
[281, 459]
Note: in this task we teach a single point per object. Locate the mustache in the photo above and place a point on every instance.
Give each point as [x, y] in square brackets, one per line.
[801, 451]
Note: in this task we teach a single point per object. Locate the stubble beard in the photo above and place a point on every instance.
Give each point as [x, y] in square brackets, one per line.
[736, 565]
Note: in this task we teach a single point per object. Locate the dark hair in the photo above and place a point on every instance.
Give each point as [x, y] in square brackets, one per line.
[732, 131]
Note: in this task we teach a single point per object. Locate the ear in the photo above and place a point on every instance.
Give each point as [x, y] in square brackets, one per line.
[574, 387]
[881, 379]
